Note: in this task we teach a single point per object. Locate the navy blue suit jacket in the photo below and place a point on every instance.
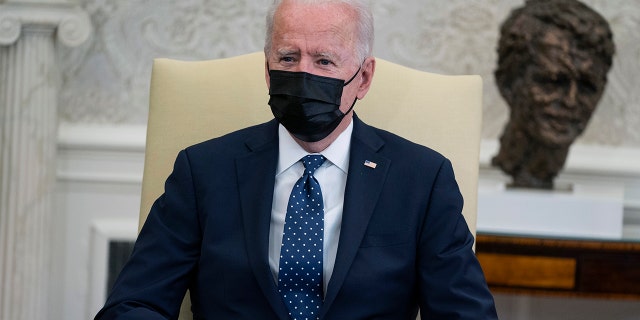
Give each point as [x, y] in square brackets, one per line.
[404, 244]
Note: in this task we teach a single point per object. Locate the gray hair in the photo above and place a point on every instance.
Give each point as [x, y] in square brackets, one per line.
[364, 45]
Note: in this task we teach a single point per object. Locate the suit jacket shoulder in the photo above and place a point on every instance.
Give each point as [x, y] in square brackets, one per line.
[238, 142]
[393, 146]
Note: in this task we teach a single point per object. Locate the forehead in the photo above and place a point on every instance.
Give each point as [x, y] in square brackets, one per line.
[559, 53]
[314, 27]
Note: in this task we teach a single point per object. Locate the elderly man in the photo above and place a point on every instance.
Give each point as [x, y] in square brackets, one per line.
[336, 239]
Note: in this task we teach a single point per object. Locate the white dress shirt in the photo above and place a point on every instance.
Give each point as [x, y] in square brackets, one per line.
[332, 177]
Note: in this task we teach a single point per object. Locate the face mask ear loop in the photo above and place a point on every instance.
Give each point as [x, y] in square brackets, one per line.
[356, 99]
[354, 76]
[352, 105]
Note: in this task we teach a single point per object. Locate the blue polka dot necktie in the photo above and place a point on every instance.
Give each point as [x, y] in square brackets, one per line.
[300, 272]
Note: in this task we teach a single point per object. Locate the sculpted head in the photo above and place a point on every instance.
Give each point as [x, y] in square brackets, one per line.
[554, 56]
[553, 59]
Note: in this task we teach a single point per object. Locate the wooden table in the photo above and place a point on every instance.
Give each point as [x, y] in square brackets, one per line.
[587, 268]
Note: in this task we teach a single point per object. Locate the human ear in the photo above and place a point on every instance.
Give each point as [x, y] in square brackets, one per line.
[368, 69]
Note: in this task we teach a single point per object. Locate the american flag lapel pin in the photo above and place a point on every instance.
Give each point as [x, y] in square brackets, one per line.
[370, 164]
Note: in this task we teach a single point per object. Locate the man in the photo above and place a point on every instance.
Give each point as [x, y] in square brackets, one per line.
[552, 69]
[386, 239]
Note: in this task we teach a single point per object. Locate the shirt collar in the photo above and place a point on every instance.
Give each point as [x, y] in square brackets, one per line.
[291, 152]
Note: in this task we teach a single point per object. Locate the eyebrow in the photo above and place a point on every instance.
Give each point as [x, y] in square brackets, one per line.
[286, 52]
[323, 54]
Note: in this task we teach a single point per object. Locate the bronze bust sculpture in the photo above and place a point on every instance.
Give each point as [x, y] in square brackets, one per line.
[553, 59]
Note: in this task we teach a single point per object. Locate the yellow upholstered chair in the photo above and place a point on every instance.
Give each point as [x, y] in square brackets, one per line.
[195, 101]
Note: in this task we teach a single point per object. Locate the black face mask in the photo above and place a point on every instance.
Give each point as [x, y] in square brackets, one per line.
[307, 105]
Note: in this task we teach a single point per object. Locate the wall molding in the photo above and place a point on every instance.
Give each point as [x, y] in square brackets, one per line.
[115, 153]
[101, 153]
[102, 137]
[589, 160]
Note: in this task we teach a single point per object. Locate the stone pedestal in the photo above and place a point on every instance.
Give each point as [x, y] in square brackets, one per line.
[29, 82]
[584, 211]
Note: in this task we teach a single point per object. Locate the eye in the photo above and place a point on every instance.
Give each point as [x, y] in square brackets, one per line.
[324, 62]
[588, 86]
[551, 82]
[286, 59]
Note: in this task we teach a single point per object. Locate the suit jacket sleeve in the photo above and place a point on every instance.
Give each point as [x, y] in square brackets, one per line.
[451, 281]
[154, 281]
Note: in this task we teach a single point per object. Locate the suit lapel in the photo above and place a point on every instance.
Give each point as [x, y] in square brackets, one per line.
[256, 177]
[364, 184]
